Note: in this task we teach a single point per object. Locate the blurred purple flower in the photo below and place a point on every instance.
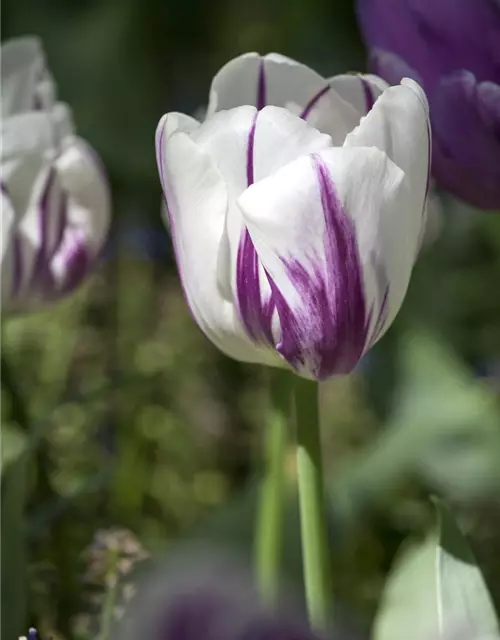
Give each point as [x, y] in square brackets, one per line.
[208, 597]
[451, 48]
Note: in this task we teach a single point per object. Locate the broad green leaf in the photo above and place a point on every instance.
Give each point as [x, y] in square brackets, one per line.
[445, 428]
[436, 591]
[448, 420]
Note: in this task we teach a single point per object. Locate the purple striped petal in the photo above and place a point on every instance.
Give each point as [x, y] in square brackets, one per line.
[17, 269]
[44, 211]
[368, 93]
[313, 101]
[327, 335]
[255, 312]
[73, 261]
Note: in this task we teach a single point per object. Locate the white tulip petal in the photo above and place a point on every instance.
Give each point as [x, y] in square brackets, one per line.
[398, 124]
[235, 85]
[276, 138]
[23, 66]
[7, 232]
[225, 137]
[306, 224]
[86, 186]
[360, 91]
[275, 80]
[27, 143]
[197, 204]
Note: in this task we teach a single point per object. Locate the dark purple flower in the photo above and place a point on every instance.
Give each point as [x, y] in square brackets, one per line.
[451, 48]
[207, 596]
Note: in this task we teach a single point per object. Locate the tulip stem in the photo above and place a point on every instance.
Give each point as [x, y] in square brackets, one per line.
[270, 515]
[315, 556]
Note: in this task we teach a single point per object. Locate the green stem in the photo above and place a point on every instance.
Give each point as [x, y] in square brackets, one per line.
[111, 598]
[270, 516]
[312, 505]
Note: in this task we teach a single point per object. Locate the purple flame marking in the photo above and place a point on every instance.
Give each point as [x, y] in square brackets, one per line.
[76, 262]
[327, 333]
[17, 275]
[368, 93]
[250, 148]
[256, 313]
[261, 87]
[313, 101]
[44, 214]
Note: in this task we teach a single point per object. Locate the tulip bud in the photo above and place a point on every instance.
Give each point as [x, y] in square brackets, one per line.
[55, 197]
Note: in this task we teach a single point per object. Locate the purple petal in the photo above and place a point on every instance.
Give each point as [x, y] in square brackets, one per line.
[435, 38]
[391, 67]
[466, 139]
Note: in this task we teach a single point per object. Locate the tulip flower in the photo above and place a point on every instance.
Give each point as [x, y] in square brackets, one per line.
[451, 49]
[55, 198]
[296, 210]
[210, 596]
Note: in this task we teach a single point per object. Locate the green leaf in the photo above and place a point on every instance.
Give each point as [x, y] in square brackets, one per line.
[443, 429]
[448, 420]
[436, 590]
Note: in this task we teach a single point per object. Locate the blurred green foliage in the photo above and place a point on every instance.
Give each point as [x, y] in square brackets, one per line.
[116, 412]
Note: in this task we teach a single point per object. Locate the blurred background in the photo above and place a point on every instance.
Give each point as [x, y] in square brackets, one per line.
[126, 434]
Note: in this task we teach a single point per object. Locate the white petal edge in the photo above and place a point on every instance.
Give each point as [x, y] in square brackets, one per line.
[84, 180]
[398, 125]
[23, 63]
[197, 202]
[7, 230]
[359, 90]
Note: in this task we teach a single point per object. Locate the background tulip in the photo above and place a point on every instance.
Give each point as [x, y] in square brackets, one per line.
[451, 49]
[209, 595]
[296, 226]
[55, 198]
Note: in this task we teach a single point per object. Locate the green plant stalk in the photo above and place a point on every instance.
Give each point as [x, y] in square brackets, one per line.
[111, 598]
[313, 524]
[268, 540]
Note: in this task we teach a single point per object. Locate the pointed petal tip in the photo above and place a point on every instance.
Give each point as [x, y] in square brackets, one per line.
[417, 89]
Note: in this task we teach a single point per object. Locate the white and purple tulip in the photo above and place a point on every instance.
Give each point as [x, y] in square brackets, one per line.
[297, 209]
[55, 198]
